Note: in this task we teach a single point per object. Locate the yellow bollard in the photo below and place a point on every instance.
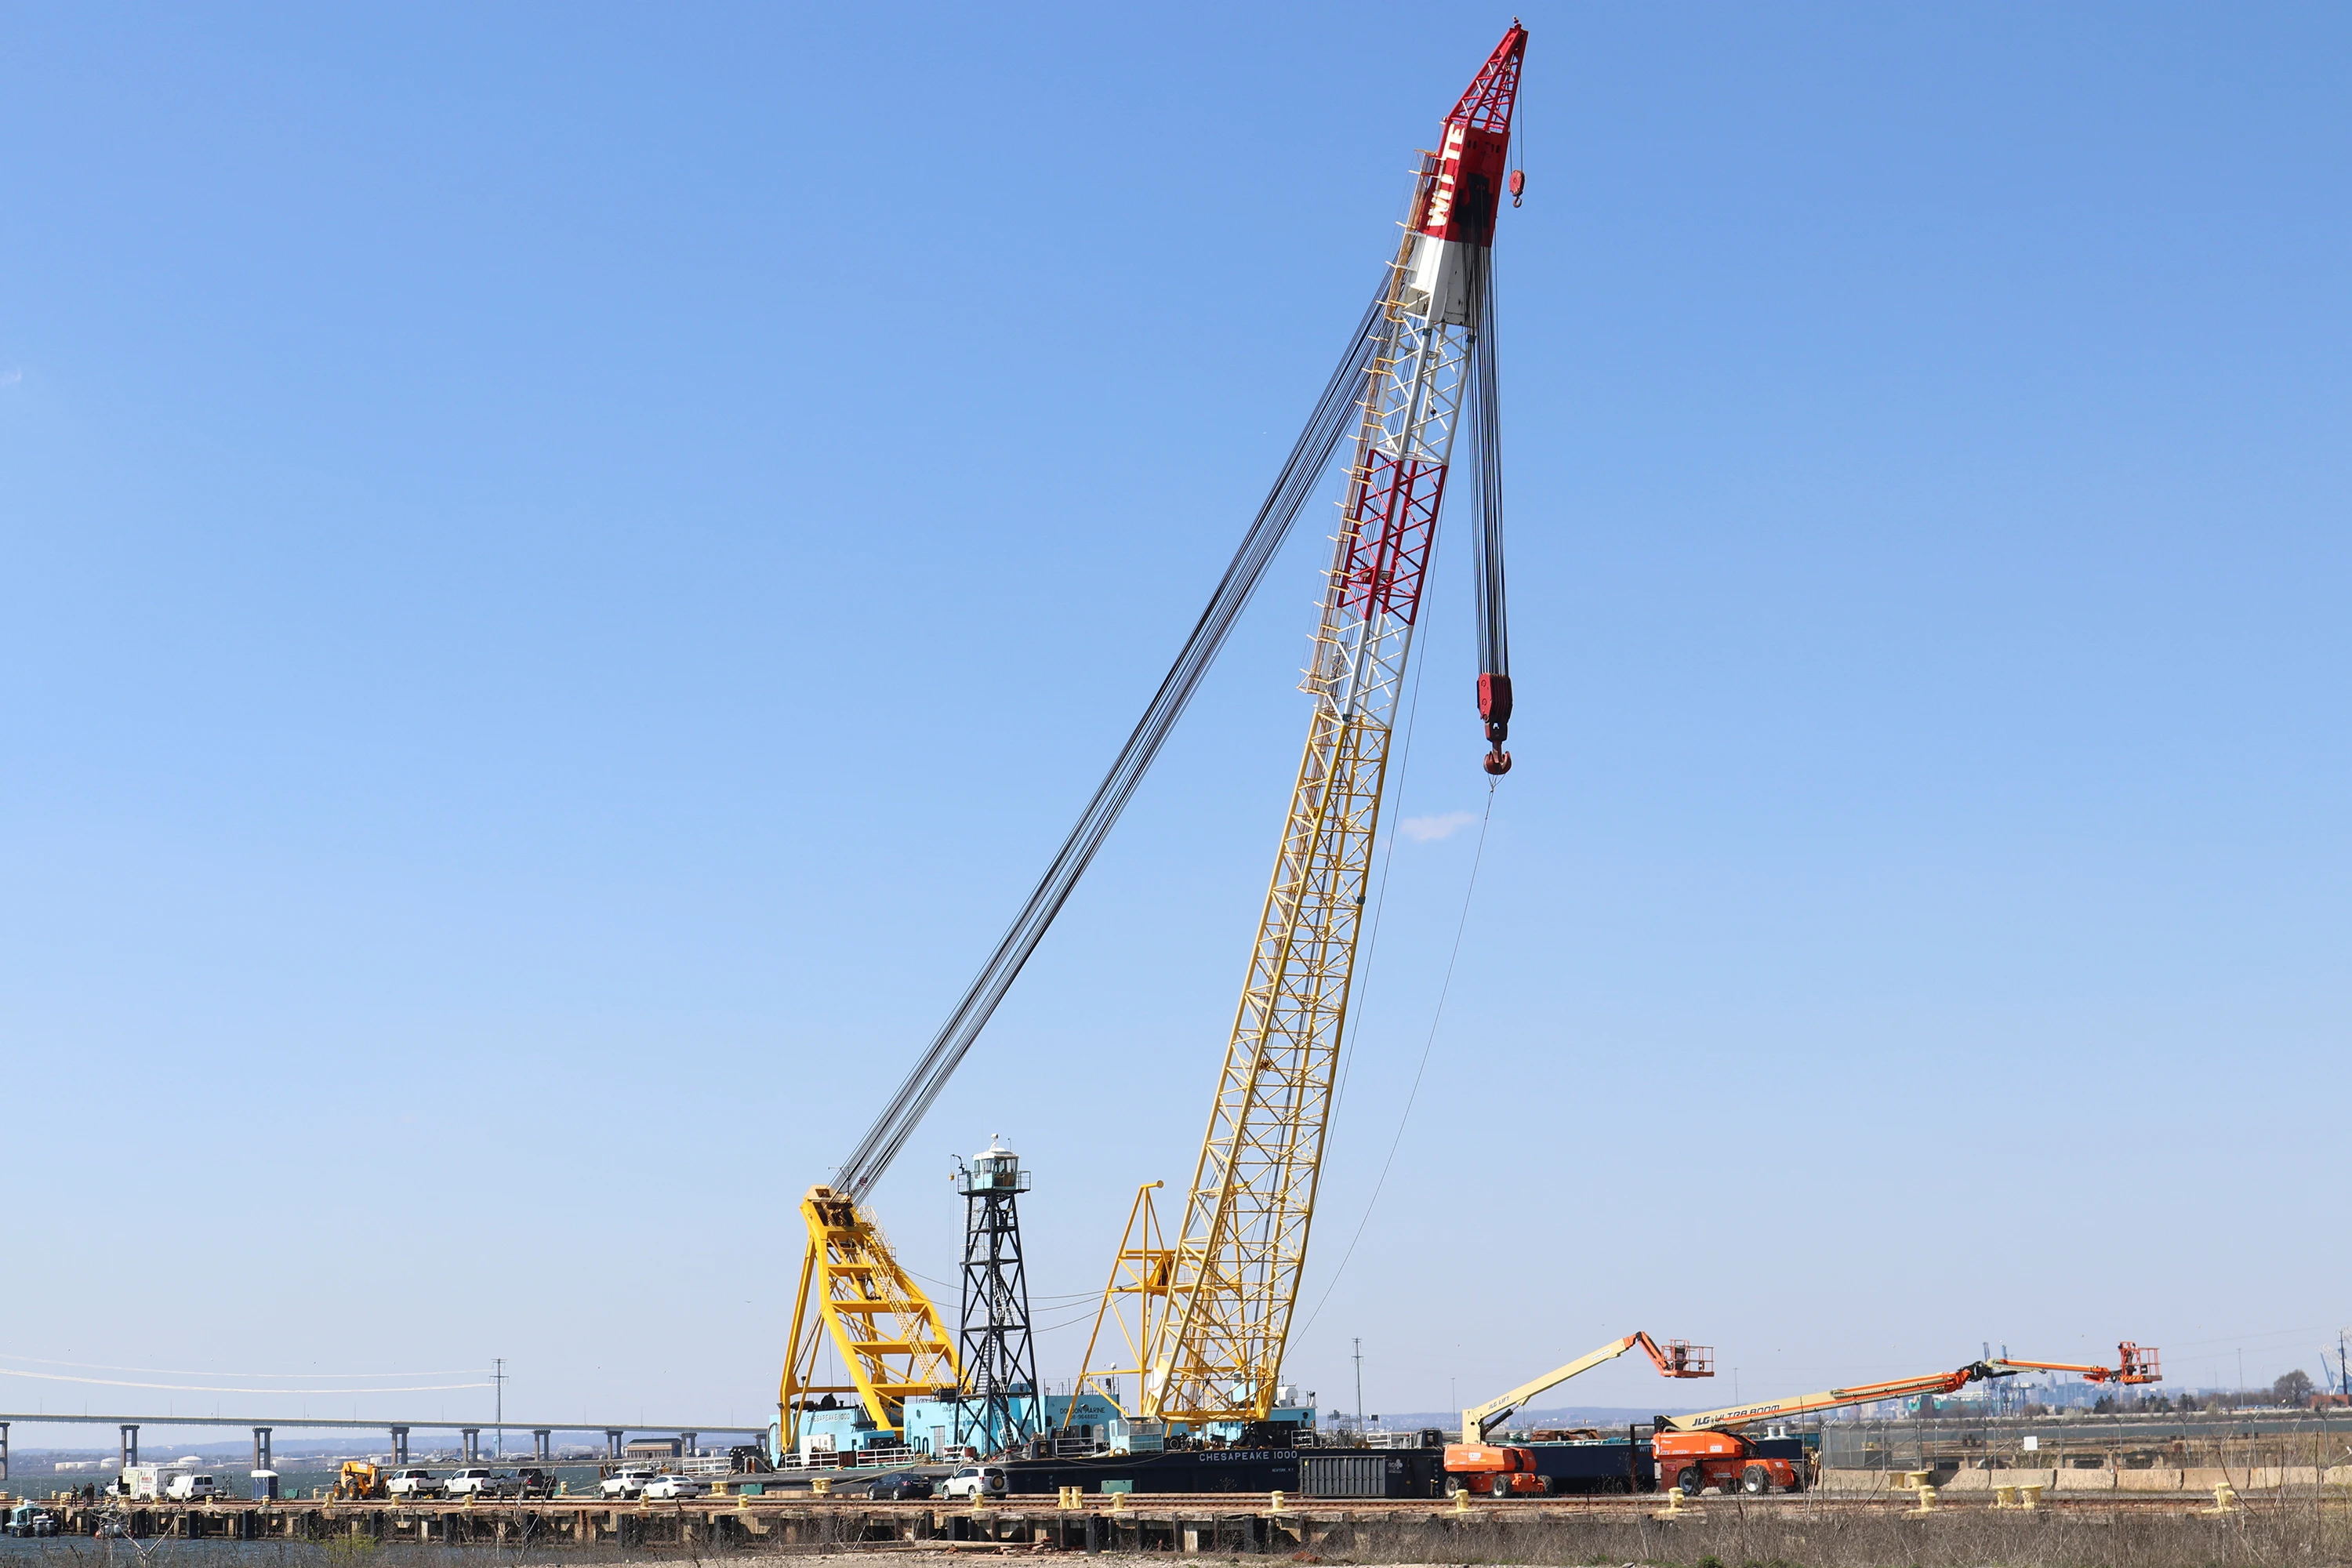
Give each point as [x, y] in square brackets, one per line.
[1119, 1503]
[2004, 1497]
[1274, 1503]
[742, 1499]
[820, 1486]
[1072, 1496]
[1462, 1500]
[1914, 1479]
[2225, 1500]
[2030, 1497]
[1675, 1509]
[1927, 1496]
[470, 1498]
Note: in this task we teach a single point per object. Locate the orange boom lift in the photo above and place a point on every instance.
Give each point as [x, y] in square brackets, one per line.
[1510, 1469]
[1708, 1449]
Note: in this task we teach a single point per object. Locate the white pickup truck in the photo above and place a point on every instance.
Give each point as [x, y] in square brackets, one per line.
[413, 1483]
[478, 1481]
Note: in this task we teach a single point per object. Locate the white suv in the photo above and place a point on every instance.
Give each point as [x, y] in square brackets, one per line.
[976, 1480]
[630, 1482]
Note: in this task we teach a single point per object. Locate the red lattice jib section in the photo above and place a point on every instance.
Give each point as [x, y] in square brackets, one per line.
[1389, 533]
[1487, 105]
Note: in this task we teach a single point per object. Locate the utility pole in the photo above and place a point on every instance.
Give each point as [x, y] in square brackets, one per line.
[499, 1421]
[1360, 1385]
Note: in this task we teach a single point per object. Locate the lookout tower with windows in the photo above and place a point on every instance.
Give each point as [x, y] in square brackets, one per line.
[998, 1406]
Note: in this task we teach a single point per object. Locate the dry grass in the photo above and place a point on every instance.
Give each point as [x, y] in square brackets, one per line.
[1725, 1536]
[1974, 1538]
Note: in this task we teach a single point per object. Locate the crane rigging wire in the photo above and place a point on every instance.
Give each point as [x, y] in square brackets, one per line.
[1486, 419]
[1484, 415]
[1485, 422]
[1435, 1017]
[1333, 417]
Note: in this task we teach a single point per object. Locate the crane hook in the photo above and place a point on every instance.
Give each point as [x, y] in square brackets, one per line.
[1518, 185]
[1498, 762]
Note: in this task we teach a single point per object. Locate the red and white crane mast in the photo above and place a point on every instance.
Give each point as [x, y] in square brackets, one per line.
[1231, 1283]
[1440, 304]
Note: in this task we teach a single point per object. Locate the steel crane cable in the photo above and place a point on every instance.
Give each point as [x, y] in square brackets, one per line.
[1301, 472]
[1484, 418]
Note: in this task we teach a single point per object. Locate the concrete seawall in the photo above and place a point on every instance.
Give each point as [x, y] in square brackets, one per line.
[2077, 1481]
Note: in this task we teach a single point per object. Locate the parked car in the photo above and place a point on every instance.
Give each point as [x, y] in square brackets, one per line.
[670, 1486]
[478, 1481]
[976, 1481]
[903, 1486]
[628, 1482]
[530, 1482]
[189, 1488]
[413, 1483]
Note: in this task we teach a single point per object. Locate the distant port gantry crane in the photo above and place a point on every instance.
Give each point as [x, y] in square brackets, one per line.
[1213, 1304]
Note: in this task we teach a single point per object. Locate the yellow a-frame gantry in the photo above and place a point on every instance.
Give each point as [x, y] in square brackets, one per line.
[886, 1331]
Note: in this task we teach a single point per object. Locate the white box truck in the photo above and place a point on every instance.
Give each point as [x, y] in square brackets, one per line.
[153, 1482]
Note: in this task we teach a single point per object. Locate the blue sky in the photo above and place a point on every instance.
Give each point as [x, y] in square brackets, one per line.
[566, 567]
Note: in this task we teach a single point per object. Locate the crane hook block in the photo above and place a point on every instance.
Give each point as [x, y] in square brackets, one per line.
[1498, 762]
[1494, 708]
[1518, 185]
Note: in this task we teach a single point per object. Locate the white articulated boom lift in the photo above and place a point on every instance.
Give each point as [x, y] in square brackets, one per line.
[1505, 1469]
[1675, 1358]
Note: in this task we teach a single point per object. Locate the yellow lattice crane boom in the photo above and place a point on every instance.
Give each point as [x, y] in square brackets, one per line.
[1213, 1351]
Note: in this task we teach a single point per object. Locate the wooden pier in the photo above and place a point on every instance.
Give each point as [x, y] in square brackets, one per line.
[1223, 1524]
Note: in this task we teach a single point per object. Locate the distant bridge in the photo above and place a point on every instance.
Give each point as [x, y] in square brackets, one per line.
[543, 1433]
